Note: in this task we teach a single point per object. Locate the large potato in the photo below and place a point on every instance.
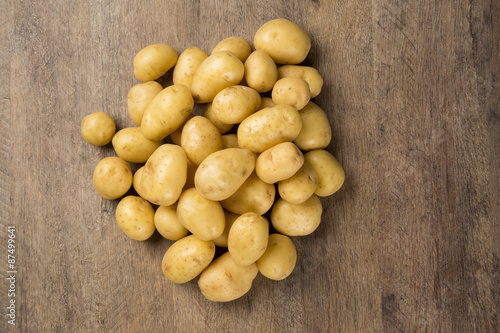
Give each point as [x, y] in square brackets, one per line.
[237, 45]
[210, 115]
[153, 61]
[297, 220]
[279, 259]
[316, 132]
[260, 71]
[300, 186]
[279, 162]
[135, 216]
[187, 64]
[222, 173]
[223, 280]
[283, 40]
[291, 91]
[247, 239]
[132, 146]
[168, 110]
[268, 127]
[139, 97]
[331, 175]
[112, 177]
[164, 175]
[187, 258]
[200, 138]
[222, 239]
[167, 223]
[306, 73]
[98, 128]
[233, 104]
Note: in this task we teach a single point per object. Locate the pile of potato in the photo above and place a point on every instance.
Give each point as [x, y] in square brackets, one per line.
[210, 180]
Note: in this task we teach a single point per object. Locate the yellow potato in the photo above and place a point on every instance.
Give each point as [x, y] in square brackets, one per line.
[260, 71]
[139, 97]
[300, 186]
[112, 177]
[168, 110]
[210, 115]
[164, 175]
[175, 136]
[223, 172]
[191, 171]
[230, 141]
[132, 146]
[98, 128]
[224, 281]
[167, 223]
[291, 91]
[136, 181]
[331, 175]
[222, 239]
[200, 138]
[187, 258]
[253, 196]
[279, 162]
[306, 73]
[220, 70]
[237, 45]
[268, 127]
[297, 220]
[187, 64]
[285, 41]
[316, 132]
[202, 217]
[153, 61]
[233, 104]
[135, 216]
[265, 102]
[279, 259]
[247, 239]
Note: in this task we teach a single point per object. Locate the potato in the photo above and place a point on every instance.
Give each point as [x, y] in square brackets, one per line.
[221, 174]
[112, 177]
[153, 61]
[300, 186]
[265, 102]
[135, 216]
[136, 181]
[187, 258]
[187, 64]
[279, 162]
[168, 110]
[291, 91]
[279, 259]
[220, 70]
[224, 281]
[230, 141]
[202, 217]
[200, 138]
[260, 71]
[132, 146]
[210, 115]
[297, 220]
[164, 175]
[283, 40]
[316, 132]
[331, 175]
[247, 239]
[222, 239]
[306, 73]
[253, 196]
[139, 97]
[233, 104]
[268, 127]
[237, 45]
[98, 128]
[175, 136]
[167, 223]
[191, 171]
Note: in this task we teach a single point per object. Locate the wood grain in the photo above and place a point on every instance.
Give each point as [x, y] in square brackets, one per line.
[410, 243]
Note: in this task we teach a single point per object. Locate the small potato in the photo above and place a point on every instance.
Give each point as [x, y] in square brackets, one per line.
[200, 138]
[253, 196]
[316, 132]
[187, 64]
[247, 239]
[187, 258]
[285, 41]
[98, 128]
[175, 136]
[300, 186]
[164, 175]
[136, 181]
[291, 91]
[112, 177]
[279, 259]
[279, 162]
[153, 61]
[220, 70]
[222, 239]
[191, 171]
[132, 146]
[266, 102]
[139, 97]
[233, 104]
[210, 115]
[260, 71]
[224, 281]
[331, 175]
[230, 141]
[297, 220]
[268, 127]
[237, 45]
[222, 173]
[167, 223]
[202, 217]
[306, 73]
[135, 216]
[167, 112]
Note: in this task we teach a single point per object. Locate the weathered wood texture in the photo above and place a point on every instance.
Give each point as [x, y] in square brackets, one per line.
[411, 242]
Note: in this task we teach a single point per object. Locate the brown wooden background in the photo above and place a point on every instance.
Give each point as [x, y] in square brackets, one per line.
[411, 242]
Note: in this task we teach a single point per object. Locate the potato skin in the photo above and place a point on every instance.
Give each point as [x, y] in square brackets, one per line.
[98, 128]
[247, 239]
[135, 216]
[154, 61]
[316, 132]
[261, 72]
[280, 258]
[132, 146]
[331, 175]
[200, 138]
[306, 73]
[299, 187]
[239, 46]
[291, 91]
[279, 162]
[187, 64]
[139, 97]
[297, 220]
[233, 104]
[167, 223]
[112, 177]
[210, 115]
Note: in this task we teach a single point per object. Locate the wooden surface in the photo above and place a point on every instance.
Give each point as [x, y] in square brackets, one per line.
[410, 243]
